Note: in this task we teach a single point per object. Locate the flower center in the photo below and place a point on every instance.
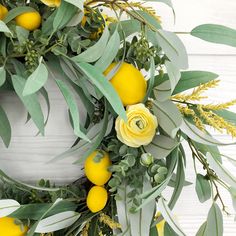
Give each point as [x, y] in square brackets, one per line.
[140, 124]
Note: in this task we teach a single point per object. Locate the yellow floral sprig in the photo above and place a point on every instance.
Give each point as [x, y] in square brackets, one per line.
[107, 220]
[196, 94]
[85, 229]
[220, 106]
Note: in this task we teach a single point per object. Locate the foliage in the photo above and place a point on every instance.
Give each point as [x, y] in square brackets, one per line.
[73, 47]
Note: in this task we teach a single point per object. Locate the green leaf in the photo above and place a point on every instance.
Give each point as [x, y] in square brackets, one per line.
[109, 53]
[214, 221]
[77, 3]
[57, 222]
[8, 206]
[34, 211]
[63, 15]
[168, 116]
[96, 51]
[168, 216]
[151, 80]
[180, 178]
[223, 173]
[12, 14]
[36, 80]
[203, 188]
[227, 115]
[22, 34]
[161, 146]
[233, 196]
[104, 86]
[168, 231]
[4, 28]
[73, 108]
[215, 34]
[152, 194]
[173, 73]
[30, 102]
[202, 230]
[5, 128]
[2, 76]
[162, 92]
[173, 48]
[197, 135]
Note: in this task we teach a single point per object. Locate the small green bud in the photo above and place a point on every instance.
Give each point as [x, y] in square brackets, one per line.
[159, 178]
[146, 159]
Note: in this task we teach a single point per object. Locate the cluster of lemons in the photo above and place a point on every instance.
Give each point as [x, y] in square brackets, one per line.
[96, 170]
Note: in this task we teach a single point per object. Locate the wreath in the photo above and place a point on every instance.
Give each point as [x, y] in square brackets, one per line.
[141, 106]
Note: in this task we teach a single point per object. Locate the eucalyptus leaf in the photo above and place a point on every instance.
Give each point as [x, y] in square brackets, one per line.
[57, 222]
[169, 217]
[5, 127]
[168, 231]
[203, 188]
[4, 28]
[109, 53]
[227, 115]
[173, 48]
[36, 80]
[30, 102]
[202, 230]
[180, 178]
[220, 170]
[174, 74]
[151, 80]
[104, 86]
[168, 116]
[215, 34]
[161, 146]
[93, 53]
[22, 34]
[233, 196]
[63, 15]
[8, 206]
[197, 135]
[162, 92]
[214, 221]
[73, 108]
[77, 3]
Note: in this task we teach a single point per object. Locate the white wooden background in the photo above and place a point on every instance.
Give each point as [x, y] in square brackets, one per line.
[27, 156]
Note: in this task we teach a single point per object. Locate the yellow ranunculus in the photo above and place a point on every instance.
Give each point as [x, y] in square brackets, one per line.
[52, 3]
[140, 127]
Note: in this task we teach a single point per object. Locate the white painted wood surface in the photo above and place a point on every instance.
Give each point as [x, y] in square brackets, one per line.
[27, 156]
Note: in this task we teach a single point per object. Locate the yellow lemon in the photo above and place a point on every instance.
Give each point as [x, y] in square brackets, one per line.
[97, 198]
[129, 83]
[29, 20]
[9, 228]
[3, 12]
[52, 3]
[96, 167]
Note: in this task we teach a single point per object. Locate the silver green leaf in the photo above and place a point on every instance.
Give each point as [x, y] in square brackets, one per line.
[202, 188]
[8, 206]
[220, 170]
[5, 127]
[161, 146]
[169, 217]
[36, 80]
[96, 51]
[4, 28]
[57, 222]
[73, 108]
[215, 34]
[173, 48]
[30, 102]
[168, 116]
[202, 230]
[77, 3]
[110, 52]
[214, 221]
[104, 86]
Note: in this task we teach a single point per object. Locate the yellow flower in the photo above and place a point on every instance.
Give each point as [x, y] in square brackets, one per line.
[52, 3]
[140, 127]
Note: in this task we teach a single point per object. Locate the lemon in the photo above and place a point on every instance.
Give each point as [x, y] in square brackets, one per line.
[96, 168]
[129, 83]
[3, 12]
[29, 20]
[9, 228]
[97, 198]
